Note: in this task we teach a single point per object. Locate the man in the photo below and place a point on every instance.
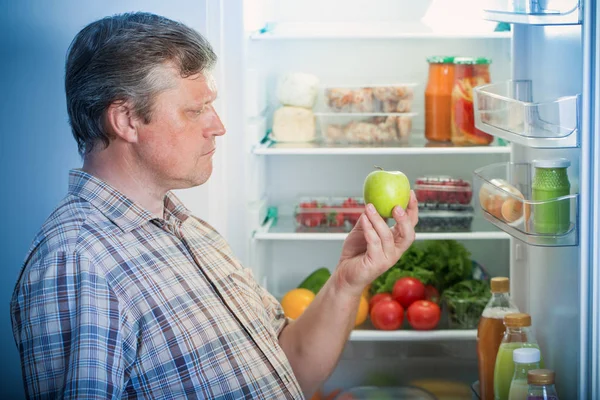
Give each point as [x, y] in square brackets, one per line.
[125, 294]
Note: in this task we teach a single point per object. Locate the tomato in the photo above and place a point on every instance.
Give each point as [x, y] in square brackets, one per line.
[432, 294]
[423, 315]
[379, 297]
[387, 315]
[408, 290]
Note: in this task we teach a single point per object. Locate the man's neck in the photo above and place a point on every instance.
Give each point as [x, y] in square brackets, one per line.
[123, 176]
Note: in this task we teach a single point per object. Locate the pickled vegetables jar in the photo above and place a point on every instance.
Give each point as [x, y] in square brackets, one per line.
[468, 73]
[438, 98]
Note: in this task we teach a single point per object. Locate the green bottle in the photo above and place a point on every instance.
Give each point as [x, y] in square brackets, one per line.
[550, 182]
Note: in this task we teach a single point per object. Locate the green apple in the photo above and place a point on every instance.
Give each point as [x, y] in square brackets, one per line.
[385, 190]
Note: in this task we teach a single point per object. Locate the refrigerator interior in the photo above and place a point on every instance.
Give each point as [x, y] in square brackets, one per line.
[383, 43]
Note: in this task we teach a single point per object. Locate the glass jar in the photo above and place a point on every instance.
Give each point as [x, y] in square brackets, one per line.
[541, 385]
[519, 334]
[438, 98]
[468, 73]
[551, 181]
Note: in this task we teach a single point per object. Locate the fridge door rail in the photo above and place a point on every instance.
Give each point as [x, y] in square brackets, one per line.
[438, 335]
[506, 110]
[504, 191]
[534, 12]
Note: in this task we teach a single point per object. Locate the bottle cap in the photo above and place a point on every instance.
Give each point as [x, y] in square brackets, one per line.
[557, 163]
[540, 377]
[517, 320]
[500, 285]
[440, 60]
[483, 60]
[526, 355]
[464, 60]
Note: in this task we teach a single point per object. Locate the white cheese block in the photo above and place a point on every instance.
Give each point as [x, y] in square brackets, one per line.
[298, 90]
[293, 124]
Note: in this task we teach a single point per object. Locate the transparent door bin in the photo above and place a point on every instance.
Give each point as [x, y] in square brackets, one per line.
[534, 12]
[504, 194]
[507, 110]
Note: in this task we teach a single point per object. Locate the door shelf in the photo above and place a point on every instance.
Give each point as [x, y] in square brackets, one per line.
[284, 229]
[416, 145]
[533, 12]
[504, 191]
[506, 110]
[363, 335]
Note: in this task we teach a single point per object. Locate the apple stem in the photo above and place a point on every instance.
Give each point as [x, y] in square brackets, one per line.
[377, 167]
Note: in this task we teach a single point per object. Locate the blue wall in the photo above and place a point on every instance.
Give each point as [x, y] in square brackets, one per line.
[36, 146]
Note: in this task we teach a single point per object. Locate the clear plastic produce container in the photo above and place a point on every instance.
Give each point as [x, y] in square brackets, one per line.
[465, 313]
[443, 192]
[327, 214]
[369, 128]
[445, 220]
[392, 98]
[385, 393]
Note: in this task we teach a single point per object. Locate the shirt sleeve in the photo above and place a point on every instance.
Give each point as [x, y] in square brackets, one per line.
[66, 323]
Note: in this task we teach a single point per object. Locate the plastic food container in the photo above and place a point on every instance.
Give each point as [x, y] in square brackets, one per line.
[328, 214]
[464, 313]
[369, 128]
[445, 220]
[393, 98]
[385, 393]
[443, 192]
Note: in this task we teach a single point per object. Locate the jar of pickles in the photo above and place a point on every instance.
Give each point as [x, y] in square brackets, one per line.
[438, 98]
[468, 73]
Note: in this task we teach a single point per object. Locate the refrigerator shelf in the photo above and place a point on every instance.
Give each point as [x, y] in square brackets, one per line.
[504, 191]
[365, 30]
[405, 335]
[284, 229]
[415, 145]
[506, 110]
[533, 12]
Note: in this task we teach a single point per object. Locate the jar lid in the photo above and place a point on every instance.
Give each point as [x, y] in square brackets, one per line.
[557, 163]
[464, 60]
[440, 59]
[526, 355]
[540, 377]
[517, 320]
[500, 285]
[483, 60]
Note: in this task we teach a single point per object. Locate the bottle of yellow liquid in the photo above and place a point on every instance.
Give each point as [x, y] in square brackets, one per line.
[519, 334]
[525, 360]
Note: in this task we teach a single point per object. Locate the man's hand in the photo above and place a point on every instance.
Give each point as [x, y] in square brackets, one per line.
[372, 247]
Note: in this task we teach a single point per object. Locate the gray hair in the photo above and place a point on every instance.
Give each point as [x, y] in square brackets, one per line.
[123, 58]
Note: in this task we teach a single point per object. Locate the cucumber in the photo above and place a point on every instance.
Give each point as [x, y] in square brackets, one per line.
[315, 281]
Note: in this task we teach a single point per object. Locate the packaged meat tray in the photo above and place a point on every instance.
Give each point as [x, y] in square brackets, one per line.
[396, 98]
[327, 214]
[443, 193]
[364, 128]
[445, 221]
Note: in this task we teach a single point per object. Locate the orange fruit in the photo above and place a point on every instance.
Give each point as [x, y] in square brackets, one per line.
[363, 311]
[295, 302]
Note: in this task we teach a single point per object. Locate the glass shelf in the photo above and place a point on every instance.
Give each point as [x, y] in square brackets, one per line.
[504, 191]
[415, 145]
[534, 12]
[506, 110]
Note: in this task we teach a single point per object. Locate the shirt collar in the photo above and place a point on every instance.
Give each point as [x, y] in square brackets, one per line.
[117, 207]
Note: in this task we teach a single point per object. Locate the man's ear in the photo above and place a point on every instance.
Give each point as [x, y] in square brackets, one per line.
[121, 122]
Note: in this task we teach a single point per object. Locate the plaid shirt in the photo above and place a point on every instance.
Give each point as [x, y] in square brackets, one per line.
[115, 303]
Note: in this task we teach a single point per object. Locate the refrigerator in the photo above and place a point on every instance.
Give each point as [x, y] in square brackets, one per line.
[542, 104]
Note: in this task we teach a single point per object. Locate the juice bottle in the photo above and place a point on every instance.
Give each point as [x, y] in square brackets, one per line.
[549, 182]
[541, 385]
[525, 359]
[519, 334]
[490, 332]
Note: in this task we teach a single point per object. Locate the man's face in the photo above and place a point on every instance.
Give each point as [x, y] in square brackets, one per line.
[177, 146]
